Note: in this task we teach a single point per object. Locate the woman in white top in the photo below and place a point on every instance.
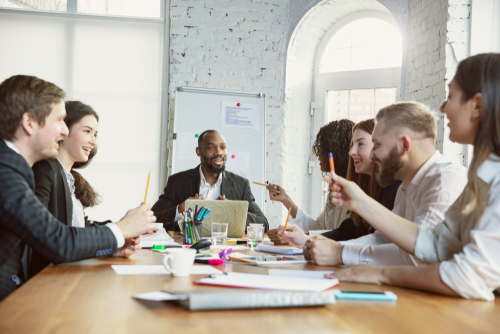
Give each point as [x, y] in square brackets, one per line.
[334, 137]
[462, 251]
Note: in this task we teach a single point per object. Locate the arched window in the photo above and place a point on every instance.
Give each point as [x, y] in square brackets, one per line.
[358, 66]
[362, 44]
[357, 72]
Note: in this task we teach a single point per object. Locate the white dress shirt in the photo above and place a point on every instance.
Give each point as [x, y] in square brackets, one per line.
[120, 239]
[78, 219]
[330, 218]
[208, 192]
[468, 246]
[423, 201]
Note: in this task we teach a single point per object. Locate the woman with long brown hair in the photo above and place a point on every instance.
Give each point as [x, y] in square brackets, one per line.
[61, 189]
[361, 170]
[462, 251]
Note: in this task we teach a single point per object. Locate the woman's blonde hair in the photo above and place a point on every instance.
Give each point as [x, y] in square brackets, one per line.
[481, 74]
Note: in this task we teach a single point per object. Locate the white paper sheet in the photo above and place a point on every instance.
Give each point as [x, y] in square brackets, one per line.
[160, 270]
[238, 163]
[246, 116]
[159, 296]
[240, 255]
[271, 282]
[299, 273]
[186, 145]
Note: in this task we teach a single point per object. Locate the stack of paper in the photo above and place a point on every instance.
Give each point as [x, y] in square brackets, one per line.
[161, 237]
[279, 250]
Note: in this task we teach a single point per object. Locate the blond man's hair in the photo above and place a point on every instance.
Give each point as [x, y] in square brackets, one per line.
[411, 115]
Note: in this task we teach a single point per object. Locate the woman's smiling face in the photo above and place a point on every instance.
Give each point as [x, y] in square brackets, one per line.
[360, 152]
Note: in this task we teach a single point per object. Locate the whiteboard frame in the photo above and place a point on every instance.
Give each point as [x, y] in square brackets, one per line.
[259, 95]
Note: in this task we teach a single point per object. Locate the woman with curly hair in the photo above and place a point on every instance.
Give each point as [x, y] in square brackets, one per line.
[334, 137]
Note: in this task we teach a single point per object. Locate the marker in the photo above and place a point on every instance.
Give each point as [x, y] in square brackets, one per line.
[332, 168]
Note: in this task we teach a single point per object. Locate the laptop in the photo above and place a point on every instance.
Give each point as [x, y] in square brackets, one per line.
[234, 213]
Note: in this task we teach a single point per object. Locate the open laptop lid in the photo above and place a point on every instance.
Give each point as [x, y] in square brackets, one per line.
[234, 213]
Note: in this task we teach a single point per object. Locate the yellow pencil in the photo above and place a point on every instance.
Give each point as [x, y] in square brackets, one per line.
[147, 187]
[261, 184]
[286, 223]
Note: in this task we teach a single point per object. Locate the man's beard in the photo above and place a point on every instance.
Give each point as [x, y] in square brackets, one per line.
[390, 166]
[215, 169]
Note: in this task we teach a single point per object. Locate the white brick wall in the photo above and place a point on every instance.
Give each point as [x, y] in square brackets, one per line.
[269, 46]
[437, 40]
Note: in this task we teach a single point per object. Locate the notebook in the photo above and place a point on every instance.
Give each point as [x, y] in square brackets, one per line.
[234, 213]
[201, 300]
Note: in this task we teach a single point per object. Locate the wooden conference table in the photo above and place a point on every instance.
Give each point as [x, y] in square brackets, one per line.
[88, 297]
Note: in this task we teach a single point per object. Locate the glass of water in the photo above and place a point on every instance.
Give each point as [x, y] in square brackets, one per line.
[219, 233]
[255, 235]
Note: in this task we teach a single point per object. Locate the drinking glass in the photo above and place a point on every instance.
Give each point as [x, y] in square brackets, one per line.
[219, 233]
[255, 235]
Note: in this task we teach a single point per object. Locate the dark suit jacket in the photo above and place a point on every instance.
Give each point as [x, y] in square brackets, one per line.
[51, 188]
[348, 230]
[24, 220]
[186, 184]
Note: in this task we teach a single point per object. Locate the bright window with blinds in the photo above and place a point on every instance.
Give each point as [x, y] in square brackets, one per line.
[130, 8]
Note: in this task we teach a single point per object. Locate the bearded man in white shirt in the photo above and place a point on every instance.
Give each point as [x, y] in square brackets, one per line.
[404, 149]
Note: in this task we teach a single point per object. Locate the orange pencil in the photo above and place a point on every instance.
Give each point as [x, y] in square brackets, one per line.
[260, 184]
[147, 187]
[332, 168]
[286, 223]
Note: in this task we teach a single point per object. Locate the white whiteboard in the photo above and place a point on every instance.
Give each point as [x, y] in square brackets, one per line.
[199, 109]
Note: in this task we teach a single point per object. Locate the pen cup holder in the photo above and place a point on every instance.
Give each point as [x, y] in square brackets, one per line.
[191, 233]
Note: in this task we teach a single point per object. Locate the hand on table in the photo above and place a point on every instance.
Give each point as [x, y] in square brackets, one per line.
[360, 274]
[129, 248]
[182, 207]
[137, 221]
[323, 251]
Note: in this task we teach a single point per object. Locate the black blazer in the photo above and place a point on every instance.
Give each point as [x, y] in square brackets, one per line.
[348, 230]
[186, 184]
[25, 221]
[51, 188]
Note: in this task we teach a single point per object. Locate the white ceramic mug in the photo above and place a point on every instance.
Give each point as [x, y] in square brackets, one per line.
[178, 261]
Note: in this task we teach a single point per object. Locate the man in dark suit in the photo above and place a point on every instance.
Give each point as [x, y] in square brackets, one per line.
[209, 180]
[31, 125]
